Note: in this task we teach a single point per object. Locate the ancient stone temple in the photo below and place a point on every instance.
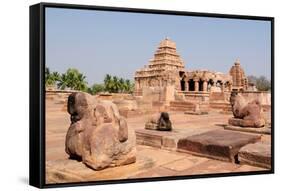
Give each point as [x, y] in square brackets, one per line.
[162, 70]
[240, 81]
[165, 79]
[167, 68]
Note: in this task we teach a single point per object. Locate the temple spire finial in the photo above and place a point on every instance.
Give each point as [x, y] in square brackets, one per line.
[237, 61]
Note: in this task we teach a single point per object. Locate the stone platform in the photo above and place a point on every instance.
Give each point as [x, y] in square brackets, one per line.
[262, 130]
[218, 144]
[243, 122]
[151, 162]
[165, 139]
[258, 154]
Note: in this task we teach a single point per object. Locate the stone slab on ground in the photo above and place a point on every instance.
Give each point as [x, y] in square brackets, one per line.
[257, 154]
[262, 130]
[218, 144]
[165, 139]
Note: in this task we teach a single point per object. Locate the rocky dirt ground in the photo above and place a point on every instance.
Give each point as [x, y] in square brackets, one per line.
[151, 161]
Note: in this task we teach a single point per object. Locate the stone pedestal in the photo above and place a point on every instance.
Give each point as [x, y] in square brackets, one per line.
[246, 122]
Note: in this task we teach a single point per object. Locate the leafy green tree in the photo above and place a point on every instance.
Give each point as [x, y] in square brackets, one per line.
[97, 88]
[261, 83]
[73, 79]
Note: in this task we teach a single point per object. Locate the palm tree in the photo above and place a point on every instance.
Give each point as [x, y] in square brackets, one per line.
[73, 79]
[116, 85]
[127, 85]
[108, 83]
[122, 85]
[48, 77]
[56, 76]
[51, 78]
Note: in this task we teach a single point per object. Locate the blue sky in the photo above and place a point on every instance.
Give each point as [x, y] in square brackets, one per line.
[118, 43]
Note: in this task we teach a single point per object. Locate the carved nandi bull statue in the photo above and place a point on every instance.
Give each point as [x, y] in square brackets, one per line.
[246, 113]
[98, 135]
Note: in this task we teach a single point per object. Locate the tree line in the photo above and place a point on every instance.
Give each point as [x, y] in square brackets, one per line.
[73, 79]
[261, 82]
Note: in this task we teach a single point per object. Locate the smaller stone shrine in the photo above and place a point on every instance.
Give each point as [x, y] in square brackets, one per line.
[160, 121]
[239, 79]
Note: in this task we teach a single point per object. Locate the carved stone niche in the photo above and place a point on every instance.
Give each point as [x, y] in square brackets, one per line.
[98, 135]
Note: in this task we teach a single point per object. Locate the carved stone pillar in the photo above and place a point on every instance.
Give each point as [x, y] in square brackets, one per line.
[196, 85]
[222, 87]
[205, 86]
[186, 86]
[215, 83]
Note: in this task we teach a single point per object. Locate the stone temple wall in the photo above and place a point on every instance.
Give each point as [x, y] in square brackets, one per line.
[263, 96]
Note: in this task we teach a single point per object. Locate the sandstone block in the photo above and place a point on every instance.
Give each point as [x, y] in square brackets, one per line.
[258, 154]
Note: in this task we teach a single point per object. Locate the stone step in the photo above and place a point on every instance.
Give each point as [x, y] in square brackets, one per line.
[258, 154]
[223, 106]
[181, 106]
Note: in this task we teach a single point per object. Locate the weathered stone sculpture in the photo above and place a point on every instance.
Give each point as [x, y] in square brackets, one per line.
[159, 122]
[98, 135]
[246, 114]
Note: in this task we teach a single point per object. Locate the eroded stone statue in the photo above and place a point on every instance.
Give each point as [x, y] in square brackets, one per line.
[160, 121]
[98, 135]
[246, 114]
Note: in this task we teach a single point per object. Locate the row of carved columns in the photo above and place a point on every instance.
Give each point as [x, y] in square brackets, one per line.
[205, 86]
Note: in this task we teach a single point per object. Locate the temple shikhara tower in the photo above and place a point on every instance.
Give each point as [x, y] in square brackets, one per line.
[240, 81]
[162, 70]
[165, 79]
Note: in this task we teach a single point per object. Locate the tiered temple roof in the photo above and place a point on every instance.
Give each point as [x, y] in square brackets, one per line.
[165, 58]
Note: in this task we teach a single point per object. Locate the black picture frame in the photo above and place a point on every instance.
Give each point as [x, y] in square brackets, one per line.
[37, 92]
